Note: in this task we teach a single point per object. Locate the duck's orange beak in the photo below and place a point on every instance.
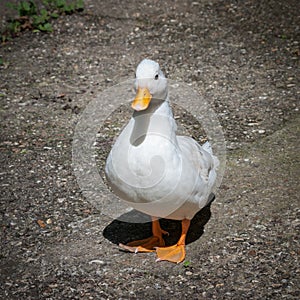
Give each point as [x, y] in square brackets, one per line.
[142, 99]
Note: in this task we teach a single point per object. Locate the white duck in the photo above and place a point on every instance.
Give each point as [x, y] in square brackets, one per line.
[155, 171]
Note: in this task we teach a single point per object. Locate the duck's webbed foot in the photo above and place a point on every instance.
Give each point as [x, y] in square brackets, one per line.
[145, 245]
[148, 244]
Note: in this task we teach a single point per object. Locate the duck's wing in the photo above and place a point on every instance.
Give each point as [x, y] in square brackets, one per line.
[201, 158]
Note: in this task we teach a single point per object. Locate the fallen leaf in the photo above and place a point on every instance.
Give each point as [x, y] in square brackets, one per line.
[41, 223]
[252, 252]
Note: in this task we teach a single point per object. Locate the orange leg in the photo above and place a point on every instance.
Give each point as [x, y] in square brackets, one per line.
[175, 253]
[149, 244]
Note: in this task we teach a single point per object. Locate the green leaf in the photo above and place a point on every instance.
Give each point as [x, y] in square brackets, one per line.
[25, 6]
[46, 27]
[12, 6]
[283, 36]
[69, 9]
[79, 5]
[44, 12]
[60, 3]
[54, 15]
[33, 8]
[5, 38]
[14, 26]
[39, 20]
[186, 263]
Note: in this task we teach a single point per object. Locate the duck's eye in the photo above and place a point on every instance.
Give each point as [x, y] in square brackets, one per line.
[156, 77]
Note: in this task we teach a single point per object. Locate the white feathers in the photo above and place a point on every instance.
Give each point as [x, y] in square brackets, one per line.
[159, 173]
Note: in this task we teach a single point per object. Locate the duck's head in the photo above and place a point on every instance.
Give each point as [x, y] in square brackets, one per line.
[150, 84]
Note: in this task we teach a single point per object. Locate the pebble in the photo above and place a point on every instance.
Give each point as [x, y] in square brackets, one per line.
[97, 261]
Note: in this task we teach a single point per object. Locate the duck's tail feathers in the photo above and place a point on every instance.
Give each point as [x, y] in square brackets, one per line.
[207, 147]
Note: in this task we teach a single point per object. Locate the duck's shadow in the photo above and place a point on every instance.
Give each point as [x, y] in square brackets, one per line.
[123, 232]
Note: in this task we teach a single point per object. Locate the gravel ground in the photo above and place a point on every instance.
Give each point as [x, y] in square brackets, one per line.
[243, 57]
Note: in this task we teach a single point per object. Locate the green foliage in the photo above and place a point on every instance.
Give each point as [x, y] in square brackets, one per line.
[23, 151]
[14, 26]
[64, 6]
[32, 17]
[41, 20]
[24, 8]
[187, 264]
[283, 36]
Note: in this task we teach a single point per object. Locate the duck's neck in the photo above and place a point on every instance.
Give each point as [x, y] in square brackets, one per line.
[156, 120]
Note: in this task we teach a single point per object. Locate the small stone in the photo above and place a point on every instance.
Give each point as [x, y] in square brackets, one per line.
[97, 261]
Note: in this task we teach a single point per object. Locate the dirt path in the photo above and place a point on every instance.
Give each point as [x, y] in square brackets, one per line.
[243, 57]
